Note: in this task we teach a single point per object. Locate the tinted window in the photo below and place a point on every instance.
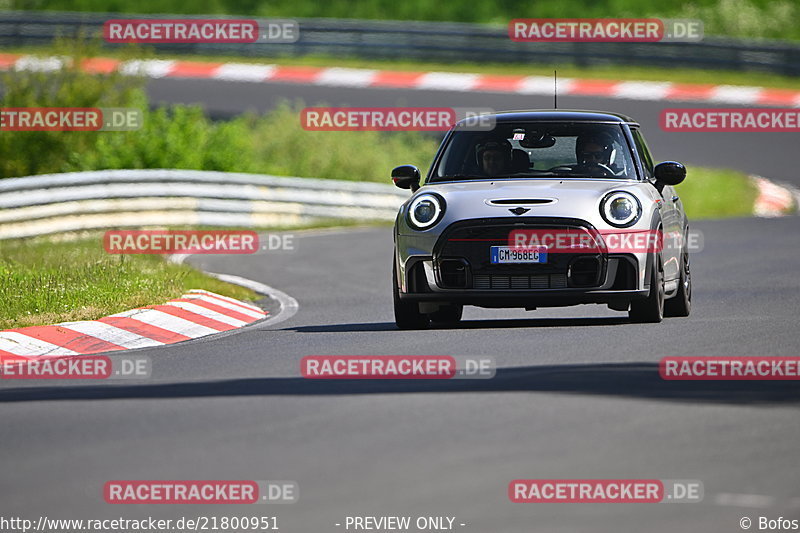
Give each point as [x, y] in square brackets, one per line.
[537, 149]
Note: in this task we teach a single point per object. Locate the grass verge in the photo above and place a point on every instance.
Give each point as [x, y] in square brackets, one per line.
[717, 193]
[45, 282]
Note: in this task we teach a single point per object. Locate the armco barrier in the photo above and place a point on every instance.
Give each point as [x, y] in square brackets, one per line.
[57, 203]
[432, 41]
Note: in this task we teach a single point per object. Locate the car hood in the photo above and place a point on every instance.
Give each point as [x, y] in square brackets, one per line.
[568, 198]
[528, 187]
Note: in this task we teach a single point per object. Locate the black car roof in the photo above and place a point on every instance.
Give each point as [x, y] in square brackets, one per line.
[562, 115]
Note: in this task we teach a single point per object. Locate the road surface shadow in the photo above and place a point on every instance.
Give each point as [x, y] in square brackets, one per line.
[493, 323]
[631, 380]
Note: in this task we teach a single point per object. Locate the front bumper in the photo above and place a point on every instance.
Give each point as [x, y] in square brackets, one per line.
[455, 267]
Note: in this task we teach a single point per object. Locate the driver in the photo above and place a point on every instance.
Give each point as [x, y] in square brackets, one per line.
[494, 156]
[594, 149]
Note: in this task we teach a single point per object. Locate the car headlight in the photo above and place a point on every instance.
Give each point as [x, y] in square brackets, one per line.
[620, 209]
[425, 211]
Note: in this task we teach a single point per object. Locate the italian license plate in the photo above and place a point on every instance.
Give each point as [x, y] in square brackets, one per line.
[508, 254]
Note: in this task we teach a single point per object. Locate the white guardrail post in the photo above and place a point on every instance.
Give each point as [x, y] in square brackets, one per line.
[77, 201]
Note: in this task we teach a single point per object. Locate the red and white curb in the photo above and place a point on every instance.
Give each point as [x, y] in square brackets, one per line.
[774, 200]
[196, 314]
[431, 81]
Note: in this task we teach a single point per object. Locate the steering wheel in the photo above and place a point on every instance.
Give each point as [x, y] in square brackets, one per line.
[607, 172]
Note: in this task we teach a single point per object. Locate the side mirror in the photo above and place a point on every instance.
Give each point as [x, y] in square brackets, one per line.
[670, 172]
[406, 177]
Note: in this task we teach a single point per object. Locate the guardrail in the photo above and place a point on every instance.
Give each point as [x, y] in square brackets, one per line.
[434, 41]
[58, 203]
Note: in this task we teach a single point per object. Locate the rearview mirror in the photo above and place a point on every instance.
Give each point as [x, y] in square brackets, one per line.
[670, 172]
[406, 177]
[536, 139]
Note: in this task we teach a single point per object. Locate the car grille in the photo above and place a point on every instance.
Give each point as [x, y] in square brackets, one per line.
[467, 244]
[538, 281]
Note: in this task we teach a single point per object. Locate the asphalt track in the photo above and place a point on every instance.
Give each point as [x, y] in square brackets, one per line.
[577, 394]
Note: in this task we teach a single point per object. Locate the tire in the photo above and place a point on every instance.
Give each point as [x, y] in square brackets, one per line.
[447, 315]
[406, 314]
[651, 309]
[681, 304]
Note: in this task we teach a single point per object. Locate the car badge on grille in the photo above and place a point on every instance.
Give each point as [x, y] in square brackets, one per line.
[519, 210]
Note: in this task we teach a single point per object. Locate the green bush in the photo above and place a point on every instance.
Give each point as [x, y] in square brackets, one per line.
[747, 18]
[275, 143]
[184, 137]
[178, 137]
[35, 152]
[283, 147]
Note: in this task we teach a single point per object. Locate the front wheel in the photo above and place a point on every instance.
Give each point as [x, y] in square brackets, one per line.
[406, 314]
[681, 303]
[651, 309]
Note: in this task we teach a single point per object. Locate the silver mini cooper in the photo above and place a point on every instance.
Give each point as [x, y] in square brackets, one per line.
[545, 209]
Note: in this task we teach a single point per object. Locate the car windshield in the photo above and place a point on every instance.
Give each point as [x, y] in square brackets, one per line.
[537, 149]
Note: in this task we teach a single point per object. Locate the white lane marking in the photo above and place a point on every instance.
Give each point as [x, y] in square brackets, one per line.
[447, 81]
[175, 324]
[112, 334]
[20, 344]
[346, 77]
[237, 304]
[227, 305]
[735, 95]
[544, 85]
[208, 313]
[642, 90]
[773, 200]
[244, 72]
[288, 305]
[38, 64]
[152, 68]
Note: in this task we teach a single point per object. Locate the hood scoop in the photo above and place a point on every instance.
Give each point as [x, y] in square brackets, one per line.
[520, 201]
